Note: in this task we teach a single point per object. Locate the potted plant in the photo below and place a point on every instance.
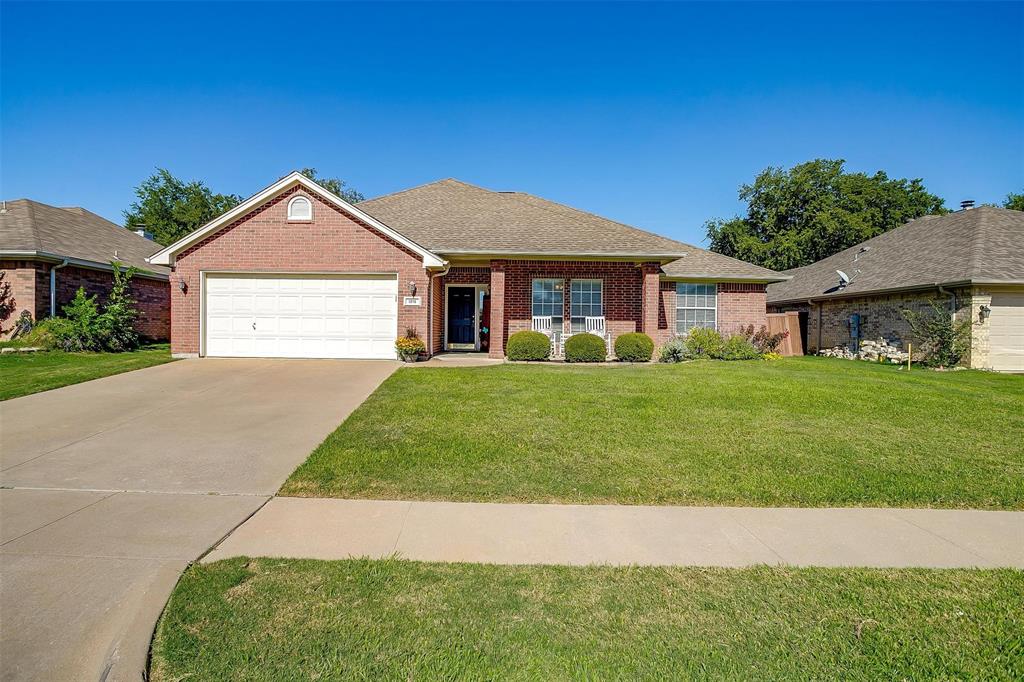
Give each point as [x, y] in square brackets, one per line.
[410, 346]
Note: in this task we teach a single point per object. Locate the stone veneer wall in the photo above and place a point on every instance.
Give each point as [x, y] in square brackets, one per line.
[882, 316]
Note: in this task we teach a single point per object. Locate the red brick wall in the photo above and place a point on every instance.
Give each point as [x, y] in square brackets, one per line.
[26, 278]
[264, 241]
[30, 281]
[622, 290]
[741, 305]
[152, 297]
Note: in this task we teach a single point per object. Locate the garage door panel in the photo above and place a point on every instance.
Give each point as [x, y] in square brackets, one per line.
[1006, 334]
[300, 316]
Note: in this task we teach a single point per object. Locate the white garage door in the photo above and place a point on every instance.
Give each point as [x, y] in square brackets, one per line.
[1006, 336]
[280, 316]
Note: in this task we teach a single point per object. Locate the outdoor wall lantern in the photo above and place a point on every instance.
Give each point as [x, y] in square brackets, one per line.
[984, 312]
[412, 288]
[182, 284]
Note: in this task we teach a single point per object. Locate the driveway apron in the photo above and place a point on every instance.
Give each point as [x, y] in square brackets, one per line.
[111, 487]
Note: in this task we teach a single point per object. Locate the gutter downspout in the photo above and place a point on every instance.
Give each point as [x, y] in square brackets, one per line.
[430, 305]
[53, 287]
[952, 300]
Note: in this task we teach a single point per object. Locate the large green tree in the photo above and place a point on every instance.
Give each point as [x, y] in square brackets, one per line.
[1014, 201]
[170, 208]
[815, 209]
[335, 185]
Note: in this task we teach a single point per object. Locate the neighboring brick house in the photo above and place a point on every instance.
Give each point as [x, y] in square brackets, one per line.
[295, 271]
[971, 262]
[47, 253]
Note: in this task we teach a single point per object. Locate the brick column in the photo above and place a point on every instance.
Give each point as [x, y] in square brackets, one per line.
[649, 298]
[497, 322]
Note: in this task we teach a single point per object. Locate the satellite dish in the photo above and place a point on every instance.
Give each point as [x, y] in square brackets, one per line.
[843, 278]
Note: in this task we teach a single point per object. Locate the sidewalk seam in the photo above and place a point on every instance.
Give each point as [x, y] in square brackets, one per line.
[732, 515]
[895, 515]
[408, 509]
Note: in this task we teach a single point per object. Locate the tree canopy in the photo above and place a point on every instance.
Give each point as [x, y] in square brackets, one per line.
[170, 208]
[1015, 201]
[815, 209]
[335, 185]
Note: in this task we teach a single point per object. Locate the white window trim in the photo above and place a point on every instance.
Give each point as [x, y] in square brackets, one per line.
[696, 307]
[291, 202]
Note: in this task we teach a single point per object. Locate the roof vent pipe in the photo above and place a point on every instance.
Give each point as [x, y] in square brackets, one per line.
[967, 204]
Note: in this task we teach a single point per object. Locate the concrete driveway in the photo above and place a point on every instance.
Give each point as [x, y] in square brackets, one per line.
[111, 487]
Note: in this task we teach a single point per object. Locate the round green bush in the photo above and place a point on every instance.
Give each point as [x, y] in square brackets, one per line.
[585, 348]
[634, 347]
[528, 346]
[704, 343]
[738, 348]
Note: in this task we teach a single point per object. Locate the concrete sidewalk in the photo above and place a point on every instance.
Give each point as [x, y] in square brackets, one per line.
[605, 534]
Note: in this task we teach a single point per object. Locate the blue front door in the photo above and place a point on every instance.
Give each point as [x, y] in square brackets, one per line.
[462, 317]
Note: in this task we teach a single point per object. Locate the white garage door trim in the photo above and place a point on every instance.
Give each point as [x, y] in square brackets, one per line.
[299, 315]
[1006, 331]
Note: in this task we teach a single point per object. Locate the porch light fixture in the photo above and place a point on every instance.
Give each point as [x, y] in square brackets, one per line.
[412, 288]
[182, 284]
[984, 312]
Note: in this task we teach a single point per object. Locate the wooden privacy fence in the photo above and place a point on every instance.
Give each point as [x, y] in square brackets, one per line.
[787, 322]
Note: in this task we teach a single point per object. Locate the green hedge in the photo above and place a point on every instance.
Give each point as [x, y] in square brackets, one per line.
[585, 348]
[528, 346]
[634, 347]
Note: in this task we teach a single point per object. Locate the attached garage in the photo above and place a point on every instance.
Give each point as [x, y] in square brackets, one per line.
[301, 316]
[1006, 336]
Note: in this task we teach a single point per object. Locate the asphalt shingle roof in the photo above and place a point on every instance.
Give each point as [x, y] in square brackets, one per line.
[983, 245]
[454, 217]
[72, 233]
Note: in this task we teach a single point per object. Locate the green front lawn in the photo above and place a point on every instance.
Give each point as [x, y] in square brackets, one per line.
[26, 373]
[796, 432]
[273, 619]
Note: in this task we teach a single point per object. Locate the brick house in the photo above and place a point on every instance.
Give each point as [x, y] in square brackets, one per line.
[971, 262]
[295, 271]
[47, 253]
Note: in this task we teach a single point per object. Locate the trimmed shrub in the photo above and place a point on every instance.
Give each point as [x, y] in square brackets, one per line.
[634, 347]
[78, 330]
[674, 351]
[528, 346]
[704, 343]
[585, 348]
[738, 347]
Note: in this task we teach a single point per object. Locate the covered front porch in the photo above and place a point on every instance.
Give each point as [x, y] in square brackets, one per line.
[478, 306]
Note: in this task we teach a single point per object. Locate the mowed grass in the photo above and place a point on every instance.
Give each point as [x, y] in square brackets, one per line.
[27, 373]
[274, 619]
[796, 432]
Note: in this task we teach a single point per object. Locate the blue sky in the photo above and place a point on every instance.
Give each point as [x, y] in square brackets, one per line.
[652, 114]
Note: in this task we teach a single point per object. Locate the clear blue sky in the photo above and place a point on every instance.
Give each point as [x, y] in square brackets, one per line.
[652, 114]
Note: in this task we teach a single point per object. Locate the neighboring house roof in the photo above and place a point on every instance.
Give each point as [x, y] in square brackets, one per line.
[30, 229]
[166, 256]
[451, 217]
[984, 245]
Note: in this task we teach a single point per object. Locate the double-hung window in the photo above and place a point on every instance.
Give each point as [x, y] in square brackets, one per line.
[586, 299]
[548, 295]
[696, 306]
